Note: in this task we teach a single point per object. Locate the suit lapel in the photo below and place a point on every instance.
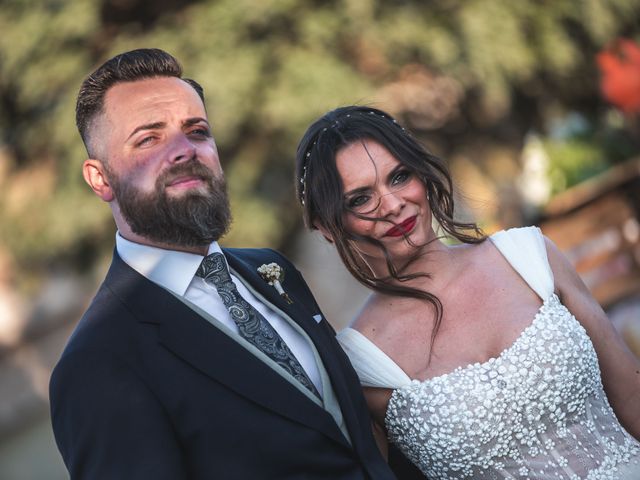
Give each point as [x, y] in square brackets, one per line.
[297, 310]
[214, 353]
[322, 337]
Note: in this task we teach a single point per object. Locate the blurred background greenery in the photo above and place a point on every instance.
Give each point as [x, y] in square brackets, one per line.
[483, 82]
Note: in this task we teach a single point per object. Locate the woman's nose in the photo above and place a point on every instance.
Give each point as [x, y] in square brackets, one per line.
[391, 203]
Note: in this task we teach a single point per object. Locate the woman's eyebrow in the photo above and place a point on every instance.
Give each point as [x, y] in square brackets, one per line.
[394, 171]
[355, 191]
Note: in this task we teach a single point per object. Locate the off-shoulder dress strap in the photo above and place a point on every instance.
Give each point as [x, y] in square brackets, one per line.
[374, 367]
[524, 248]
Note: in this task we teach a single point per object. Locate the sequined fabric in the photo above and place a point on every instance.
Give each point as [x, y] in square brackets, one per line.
[537, 411]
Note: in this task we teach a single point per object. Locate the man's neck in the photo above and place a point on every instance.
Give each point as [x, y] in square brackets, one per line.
[132, 237]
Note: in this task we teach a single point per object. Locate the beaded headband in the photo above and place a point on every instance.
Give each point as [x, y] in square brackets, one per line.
[303, 177]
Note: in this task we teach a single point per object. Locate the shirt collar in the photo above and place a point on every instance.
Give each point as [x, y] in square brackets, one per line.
[170, 269]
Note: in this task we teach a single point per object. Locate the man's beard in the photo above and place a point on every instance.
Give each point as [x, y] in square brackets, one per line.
[192, 219]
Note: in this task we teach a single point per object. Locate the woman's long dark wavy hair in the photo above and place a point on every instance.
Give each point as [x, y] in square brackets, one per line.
[321, 192]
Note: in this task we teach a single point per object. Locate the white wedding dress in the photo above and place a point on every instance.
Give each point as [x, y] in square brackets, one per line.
[537, 411]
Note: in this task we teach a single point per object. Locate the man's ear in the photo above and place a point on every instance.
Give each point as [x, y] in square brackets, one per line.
[325, 233]
[94, 174]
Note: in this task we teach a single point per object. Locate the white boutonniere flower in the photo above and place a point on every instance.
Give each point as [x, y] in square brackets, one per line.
[273, 274]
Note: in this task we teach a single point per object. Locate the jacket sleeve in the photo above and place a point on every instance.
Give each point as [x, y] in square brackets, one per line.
[108, 424]
[402, 467]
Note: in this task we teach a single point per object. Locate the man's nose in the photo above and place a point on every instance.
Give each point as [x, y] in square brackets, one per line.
[182, 148]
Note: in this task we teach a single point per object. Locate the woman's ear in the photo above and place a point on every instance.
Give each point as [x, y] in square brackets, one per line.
[94, 174]
[325, 233]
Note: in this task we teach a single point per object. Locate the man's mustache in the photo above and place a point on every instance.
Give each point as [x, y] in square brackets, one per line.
[191, 168]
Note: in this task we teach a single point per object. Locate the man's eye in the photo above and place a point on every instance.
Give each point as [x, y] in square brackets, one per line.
[202, 132]
[401, 178]
[358, 201]
[145, 140]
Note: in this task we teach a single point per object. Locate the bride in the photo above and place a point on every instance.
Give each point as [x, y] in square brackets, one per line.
[483, 359]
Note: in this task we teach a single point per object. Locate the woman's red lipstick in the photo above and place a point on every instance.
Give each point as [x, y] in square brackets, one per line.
[402, 228]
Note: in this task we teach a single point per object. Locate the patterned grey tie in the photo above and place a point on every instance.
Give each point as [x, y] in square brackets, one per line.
[251, 324]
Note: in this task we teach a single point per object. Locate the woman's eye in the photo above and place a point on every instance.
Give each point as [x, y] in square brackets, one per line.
[401, 177]
[358, 201]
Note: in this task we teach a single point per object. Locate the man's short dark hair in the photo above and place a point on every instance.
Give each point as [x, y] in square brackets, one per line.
[126, 67]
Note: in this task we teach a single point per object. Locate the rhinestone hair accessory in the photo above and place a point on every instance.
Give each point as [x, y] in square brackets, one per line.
[334, 125]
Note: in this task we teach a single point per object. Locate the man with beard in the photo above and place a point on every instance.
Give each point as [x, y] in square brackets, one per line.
[188, 364]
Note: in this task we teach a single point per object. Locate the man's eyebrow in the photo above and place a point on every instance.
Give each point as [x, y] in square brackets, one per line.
[155, 125]
[195, 120]
[147, 126]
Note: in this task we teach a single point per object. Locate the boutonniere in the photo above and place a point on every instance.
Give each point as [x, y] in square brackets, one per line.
[273, 274]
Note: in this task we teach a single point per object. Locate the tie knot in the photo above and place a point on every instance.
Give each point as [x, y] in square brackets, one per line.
[213, 268]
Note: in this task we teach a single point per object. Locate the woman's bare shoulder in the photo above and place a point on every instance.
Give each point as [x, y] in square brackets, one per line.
[370, 314]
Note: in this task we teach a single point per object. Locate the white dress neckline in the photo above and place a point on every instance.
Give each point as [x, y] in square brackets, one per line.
[509, 243]
[537, 410]
[404, 379]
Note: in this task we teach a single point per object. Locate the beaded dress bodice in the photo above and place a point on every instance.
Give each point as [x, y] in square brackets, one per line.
[537, 411]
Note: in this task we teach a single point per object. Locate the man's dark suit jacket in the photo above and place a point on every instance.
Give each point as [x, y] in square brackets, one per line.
[148, 389]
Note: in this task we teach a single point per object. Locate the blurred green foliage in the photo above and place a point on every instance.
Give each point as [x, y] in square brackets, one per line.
[573, 161]
[579, 148]
[269, 67]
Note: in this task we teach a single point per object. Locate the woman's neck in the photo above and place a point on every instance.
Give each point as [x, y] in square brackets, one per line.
[429, 265]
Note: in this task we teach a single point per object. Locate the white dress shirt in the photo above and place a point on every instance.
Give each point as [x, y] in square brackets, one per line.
[175, 271]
